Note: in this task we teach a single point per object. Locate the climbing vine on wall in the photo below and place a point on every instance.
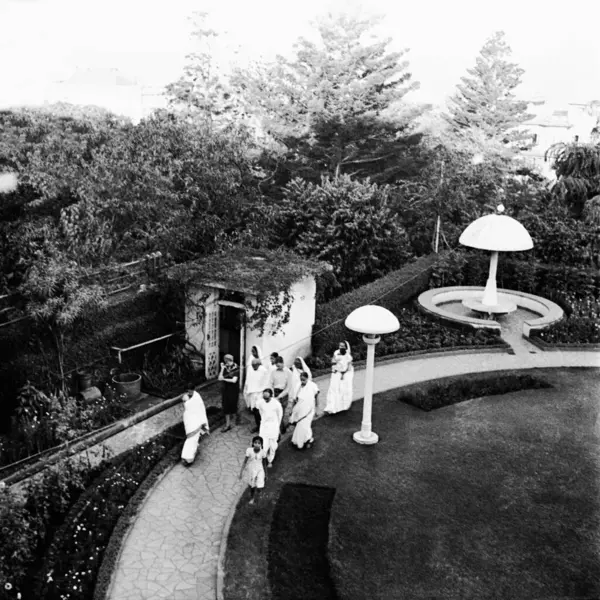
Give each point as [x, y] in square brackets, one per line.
[264, 277]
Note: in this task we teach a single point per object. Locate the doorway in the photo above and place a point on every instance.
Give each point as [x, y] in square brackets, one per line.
[231, 332]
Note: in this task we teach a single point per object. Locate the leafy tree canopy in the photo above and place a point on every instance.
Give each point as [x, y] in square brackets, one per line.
[346, 223]
[577, 168]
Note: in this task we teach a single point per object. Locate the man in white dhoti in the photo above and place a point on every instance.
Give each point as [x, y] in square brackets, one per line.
[257, 379]
[195, 423]
[271, 414]
[304, 412]
[339, 394]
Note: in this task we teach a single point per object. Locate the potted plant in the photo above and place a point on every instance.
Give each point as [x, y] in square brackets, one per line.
[127, 385]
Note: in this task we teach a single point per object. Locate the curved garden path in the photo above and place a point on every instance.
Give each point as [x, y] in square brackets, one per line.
[172, 549]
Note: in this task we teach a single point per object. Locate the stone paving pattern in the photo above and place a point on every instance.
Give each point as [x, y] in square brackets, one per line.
[172, 548]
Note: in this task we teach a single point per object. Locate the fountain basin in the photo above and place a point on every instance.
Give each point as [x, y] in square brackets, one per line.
[545, 312]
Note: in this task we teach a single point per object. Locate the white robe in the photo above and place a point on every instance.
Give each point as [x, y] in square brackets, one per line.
[194, 416]
[339, 394]
[256, 382]
[271, 414]
[303, 414]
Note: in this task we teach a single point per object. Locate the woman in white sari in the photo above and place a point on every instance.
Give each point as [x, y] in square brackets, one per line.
[339, 394]
[296, 369]
[195, 423]
[255, 352]
[304, 412]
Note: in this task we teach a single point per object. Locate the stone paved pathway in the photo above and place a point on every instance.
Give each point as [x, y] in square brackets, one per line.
[172, 549]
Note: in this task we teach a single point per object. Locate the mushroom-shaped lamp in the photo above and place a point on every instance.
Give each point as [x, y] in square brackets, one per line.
[372, 321]
[497, 233]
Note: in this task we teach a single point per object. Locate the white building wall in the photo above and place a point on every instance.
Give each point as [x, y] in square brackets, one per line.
[295, 338]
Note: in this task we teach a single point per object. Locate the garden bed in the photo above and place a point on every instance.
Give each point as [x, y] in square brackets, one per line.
[77, 551]
[574, 331]
[95, 521]
[418, 334]
[437, 393]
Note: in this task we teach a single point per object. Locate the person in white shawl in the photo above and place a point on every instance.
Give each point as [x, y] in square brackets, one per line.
[195, 422]
[304, 412]
[257, 379]
[339, 394]
[255, 352]
[297, 368]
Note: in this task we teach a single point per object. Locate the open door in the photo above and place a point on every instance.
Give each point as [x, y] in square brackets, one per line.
[211, 340]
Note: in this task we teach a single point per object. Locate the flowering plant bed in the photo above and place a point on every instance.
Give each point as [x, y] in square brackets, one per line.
[77, 552]
[28, 518]
[417, 333]
[575, 330]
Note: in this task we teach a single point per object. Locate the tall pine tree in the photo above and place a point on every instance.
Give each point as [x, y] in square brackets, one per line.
[336, 107]
[484, 103]
[202, 92]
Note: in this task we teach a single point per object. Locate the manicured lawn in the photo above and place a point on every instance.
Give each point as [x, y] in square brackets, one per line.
[490, 498]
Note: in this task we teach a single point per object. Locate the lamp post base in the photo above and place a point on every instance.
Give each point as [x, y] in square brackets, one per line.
[366, 439]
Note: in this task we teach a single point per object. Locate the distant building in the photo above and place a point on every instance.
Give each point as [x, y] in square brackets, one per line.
[552, 124]
[110, 89]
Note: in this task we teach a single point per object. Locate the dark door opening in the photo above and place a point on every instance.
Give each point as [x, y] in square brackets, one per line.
[231, 321]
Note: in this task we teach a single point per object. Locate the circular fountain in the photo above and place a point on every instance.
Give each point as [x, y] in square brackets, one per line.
[479, 307]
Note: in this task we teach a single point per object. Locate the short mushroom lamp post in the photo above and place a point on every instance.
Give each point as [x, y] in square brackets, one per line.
[497, 233]
[372, 321]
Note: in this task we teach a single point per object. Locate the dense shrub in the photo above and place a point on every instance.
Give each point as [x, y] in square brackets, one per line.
[28, 519]
[573, 330]
[43, 421]
[555, 282]
[438, 393]
[417, 333]
[391, 291]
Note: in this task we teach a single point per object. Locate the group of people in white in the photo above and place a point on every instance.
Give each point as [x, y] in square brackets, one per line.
[277, 396]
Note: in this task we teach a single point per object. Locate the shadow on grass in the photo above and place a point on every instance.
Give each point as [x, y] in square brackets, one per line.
[298, 565]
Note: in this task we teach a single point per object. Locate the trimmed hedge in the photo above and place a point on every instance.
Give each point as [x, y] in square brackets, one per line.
[438, 393]
[392, 292]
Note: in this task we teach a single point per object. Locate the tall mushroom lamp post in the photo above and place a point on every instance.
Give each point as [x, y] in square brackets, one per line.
[496, 233]
[372, 321]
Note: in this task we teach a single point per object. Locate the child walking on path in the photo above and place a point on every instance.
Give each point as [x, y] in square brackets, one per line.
[254, 465]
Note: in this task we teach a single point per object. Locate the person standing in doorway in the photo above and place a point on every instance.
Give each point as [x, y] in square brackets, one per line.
[256, 381]
[280, 384]
[271, 415]
[230, 376]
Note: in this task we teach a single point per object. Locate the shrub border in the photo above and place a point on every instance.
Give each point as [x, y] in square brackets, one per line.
[112, 554]
[477, 378]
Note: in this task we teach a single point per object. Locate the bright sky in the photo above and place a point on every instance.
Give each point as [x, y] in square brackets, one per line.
[555, 42]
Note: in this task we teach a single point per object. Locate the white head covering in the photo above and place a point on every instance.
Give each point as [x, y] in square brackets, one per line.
[260, 355]
[305, 367]
[348, 347]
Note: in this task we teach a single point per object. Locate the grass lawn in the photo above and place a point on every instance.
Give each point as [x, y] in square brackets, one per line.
[490, 498]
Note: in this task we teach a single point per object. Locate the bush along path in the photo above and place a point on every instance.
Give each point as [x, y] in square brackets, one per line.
[172, 550]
